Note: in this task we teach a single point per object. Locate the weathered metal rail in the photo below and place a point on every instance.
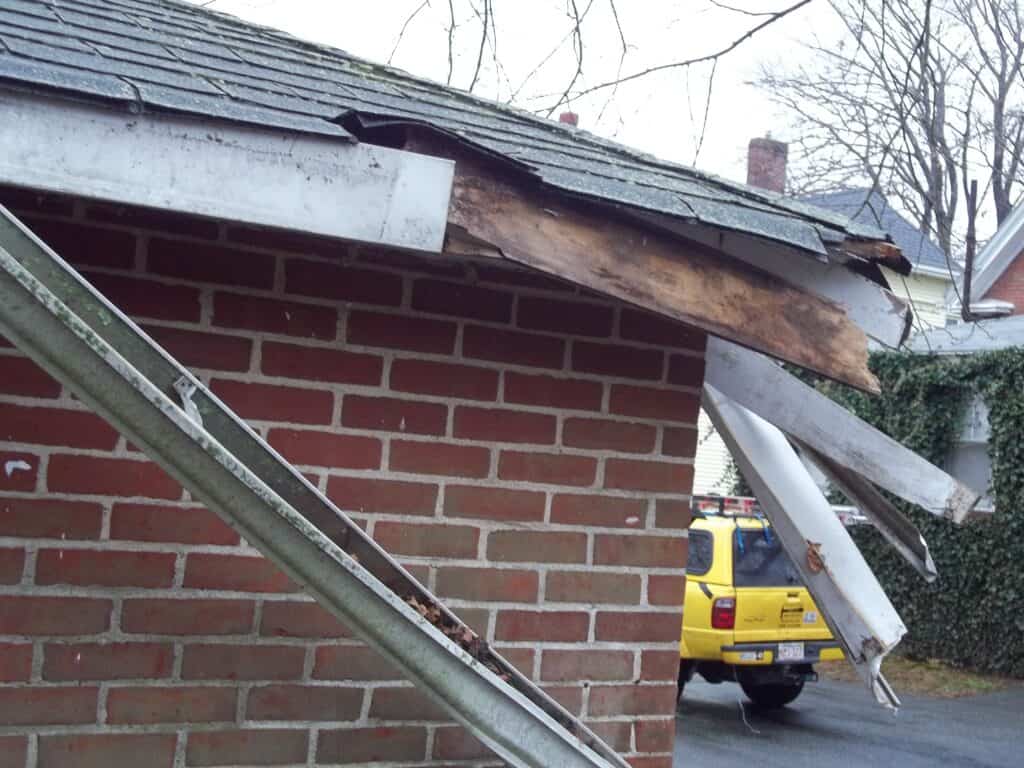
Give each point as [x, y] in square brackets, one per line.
[50, 312]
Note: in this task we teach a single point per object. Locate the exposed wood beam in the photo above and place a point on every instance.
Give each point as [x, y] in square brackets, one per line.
[805, 414]
[689, 283]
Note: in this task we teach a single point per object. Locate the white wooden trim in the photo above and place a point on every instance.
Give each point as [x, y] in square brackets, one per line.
[246, 174]
[765, 388]
[855, 606]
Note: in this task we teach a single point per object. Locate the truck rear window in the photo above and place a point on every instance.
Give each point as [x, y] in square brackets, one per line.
[701, 553]
[760, 561]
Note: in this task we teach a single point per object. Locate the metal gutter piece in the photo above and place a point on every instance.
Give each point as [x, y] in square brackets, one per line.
[853, 603]
[759, 384]
[50, 312]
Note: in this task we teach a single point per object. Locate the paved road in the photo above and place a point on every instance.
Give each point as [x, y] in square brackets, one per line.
[837, 725]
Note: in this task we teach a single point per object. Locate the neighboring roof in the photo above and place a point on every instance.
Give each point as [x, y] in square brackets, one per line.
[870, 207]
[162, 55]
[967, 338]
[999, 253]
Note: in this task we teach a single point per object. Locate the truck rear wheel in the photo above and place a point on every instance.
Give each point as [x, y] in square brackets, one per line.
[772, 695]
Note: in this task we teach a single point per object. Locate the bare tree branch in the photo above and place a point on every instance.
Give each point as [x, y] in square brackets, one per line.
[405, 26]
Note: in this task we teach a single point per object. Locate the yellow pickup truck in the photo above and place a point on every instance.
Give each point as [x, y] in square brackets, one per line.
[747, 617]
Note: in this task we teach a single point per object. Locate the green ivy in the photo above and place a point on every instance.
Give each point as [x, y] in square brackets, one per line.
[973, 614]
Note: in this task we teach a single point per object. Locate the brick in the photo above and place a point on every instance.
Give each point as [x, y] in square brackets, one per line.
[617, 360]
[488, 584]
[651, 403]
[55, 426]
[542, 626]
[181, 704]
[12, 564]
[434, 458]
[552, 392]
[537, 546]
[547, 468]
[666, 590]
[326, 449]
[107, 749]
[187, 617]
[592, 587]
[53, 615]
[20, 471]
[199, 349]
[107, 661]
[321, 364]
[489, 503]
[149, 299]
[105, 568]
[24, 378]
[384, 744]
[373, 495]
[655, 735]
[640, 551]
[686, 371]
[21, 200]
[247, 747]
[109, 477]
[446, 265]
[522, 277]
[416, 334]
[672, 513]
[154, 219]
[606, 434]
[622, 627]
[653, 476]
[269, 402]
[292, 619]
[415, 540]
[569, 696]
[45, 518]
[75, 705]
[504, 426]
[659, 665]
[585, 665]
[352, 662]
[13, 751]
[680, 442]
[635, 325]
[616, 734]
[242, 662]
[342, 283]
[456, 743]
[205, 263]
[515, 347]
[444, 379]
[235, 573]
[520, 658]
[82, 244]
[304, 702]
[15, 663]
[646, 761]
[557, 316]
[607, 700]
[287, 240]
[598, 510]
[180, 525]
[404, 703]
[461, 300]
[392, 414]
[288, 318]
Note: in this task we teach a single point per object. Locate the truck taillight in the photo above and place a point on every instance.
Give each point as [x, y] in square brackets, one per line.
[723, 613]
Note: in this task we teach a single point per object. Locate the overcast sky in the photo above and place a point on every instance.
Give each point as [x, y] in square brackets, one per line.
[661, 114]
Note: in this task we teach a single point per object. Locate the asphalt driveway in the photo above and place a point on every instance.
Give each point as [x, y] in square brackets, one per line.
[837, 725]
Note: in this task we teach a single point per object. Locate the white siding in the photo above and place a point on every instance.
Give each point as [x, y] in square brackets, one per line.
[712, 461]
[927, 294]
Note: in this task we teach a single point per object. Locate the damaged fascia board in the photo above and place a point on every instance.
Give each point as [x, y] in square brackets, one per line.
[49, 311]
[881, 314]
[855, 606]
[759, 384]
[222, 170]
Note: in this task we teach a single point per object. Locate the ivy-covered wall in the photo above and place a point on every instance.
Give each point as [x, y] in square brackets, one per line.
[973, 614]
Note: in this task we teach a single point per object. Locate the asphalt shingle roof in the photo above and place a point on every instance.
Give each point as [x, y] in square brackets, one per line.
[870, 207]
[163, 55]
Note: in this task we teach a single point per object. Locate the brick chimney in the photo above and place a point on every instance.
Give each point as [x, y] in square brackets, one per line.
[766, 164]
[569, 118]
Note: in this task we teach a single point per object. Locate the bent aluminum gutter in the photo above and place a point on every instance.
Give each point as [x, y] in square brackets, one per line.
[51, 313]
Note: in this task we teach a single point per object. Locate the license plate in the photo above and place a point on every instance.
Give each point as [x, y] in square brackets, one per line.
[791, 652]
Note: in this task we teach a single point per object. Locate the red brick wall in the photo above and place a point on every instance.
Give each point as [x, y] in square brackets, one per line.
[524, 447]
[1010, 286]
